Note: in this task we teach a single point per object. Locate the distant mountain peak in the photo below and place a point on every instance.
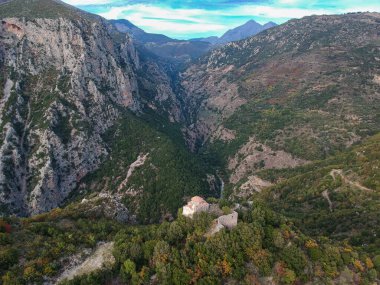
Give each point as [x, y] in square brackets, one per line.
[270, 25]
[248, 29]
[124, 22]
[252, 21]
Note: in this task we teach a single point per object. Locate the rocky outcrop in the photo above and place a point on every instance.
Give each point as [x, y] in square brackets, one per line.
[107, 205]
[254, 156]
[101, 258]
[64, 83]
[253, 184]
[139, 162]
[209, 98]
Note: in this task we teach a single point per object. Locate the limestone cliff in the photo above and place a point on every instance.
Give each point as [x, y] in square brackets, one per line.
[64, 81]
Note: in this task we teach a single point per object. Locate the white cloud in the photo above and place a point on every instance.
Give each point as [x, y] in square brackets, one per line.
[160, 20]
[151, 11]
[275, 12]
[363, 8]
[292, 2]
[181, 22]
[87, 2]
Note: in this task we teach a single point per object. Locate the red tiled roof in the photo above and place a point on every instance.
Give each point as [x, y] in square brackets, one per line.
[198, 199]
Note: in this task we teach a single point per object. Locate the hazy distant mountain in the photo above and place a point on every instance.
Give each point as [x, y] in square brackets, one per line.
[162, 45]
[212, 40]
[249, 29]
[181, 49]
[269, 25]
[138, 34]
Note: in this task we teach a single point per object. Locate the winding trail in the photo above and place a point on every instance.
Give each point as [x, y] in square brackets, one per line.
[325, 195]
[339, 172]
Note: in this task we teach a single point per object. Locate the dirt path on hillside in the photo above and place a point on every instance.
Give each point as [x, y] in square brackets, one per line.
[325, 195]
[339, 172]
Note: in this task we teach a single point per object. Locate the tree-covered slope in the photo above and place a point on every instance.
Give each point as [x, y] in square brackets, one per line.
[167, 174]
[264, 248]
[338, 197]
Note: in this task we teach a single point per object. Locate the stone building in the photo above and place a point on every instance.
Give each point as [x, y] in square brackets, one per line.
[195, 205]
[226, 221]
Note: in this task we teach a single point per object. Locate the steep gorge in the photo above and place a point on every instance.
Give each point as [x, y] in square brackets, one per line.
[67, 78]
[80, 103]
[102, 142]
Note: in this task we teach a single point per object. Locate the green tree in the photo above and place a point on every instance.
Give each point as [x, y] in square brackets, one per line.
[8, 257]
[175, 233]
[376, 262]
[128, 270]
[161, 253]
[289, 276]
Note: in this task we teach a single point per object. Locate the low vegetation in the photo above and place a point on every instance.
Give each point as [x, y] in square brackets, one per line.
[351, 181]
[157, 187]
[264, 244]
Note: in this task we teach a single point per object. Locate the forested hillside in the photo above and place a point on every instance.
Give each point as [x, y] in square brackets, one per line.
[303, 91]
[265, 247]
[105, 136]
[338, 197]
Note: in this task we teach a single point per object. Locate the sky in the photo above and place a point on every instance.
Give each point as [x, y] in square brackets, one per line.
[184, 19]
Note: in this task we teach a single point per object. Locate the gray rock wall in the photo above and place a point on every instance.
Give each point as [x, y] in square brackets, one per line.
[70, 82]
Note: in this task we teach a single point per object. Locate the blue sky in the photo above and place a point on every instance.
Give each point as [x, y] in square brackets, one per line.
[200, 18]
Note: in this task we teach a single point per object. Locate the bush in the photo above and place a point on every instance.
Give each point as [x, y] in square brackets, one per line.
[8, 257]
[128, 270]
[294, 258]
[226, 210]
[289, 277]
[376, 262]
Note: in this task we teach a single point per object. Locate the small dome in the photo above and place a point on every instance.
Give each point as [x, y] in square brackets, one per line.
[197, 199]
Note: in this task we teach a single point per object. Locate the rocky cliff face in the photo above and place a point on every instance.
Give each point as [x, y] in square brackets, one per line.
[79, 102]
[292, 94]
[63, 84]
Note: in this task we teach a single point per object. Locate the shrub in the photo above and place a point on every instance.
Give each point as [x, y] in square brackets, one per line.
[8, 257]
[376, 262]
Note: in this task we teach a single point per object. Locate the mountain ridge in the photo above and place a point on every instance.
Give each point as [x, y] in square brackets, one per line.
[96, 132]
[191, 49]
[248, 29]
[178, 51]
[74, 80]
